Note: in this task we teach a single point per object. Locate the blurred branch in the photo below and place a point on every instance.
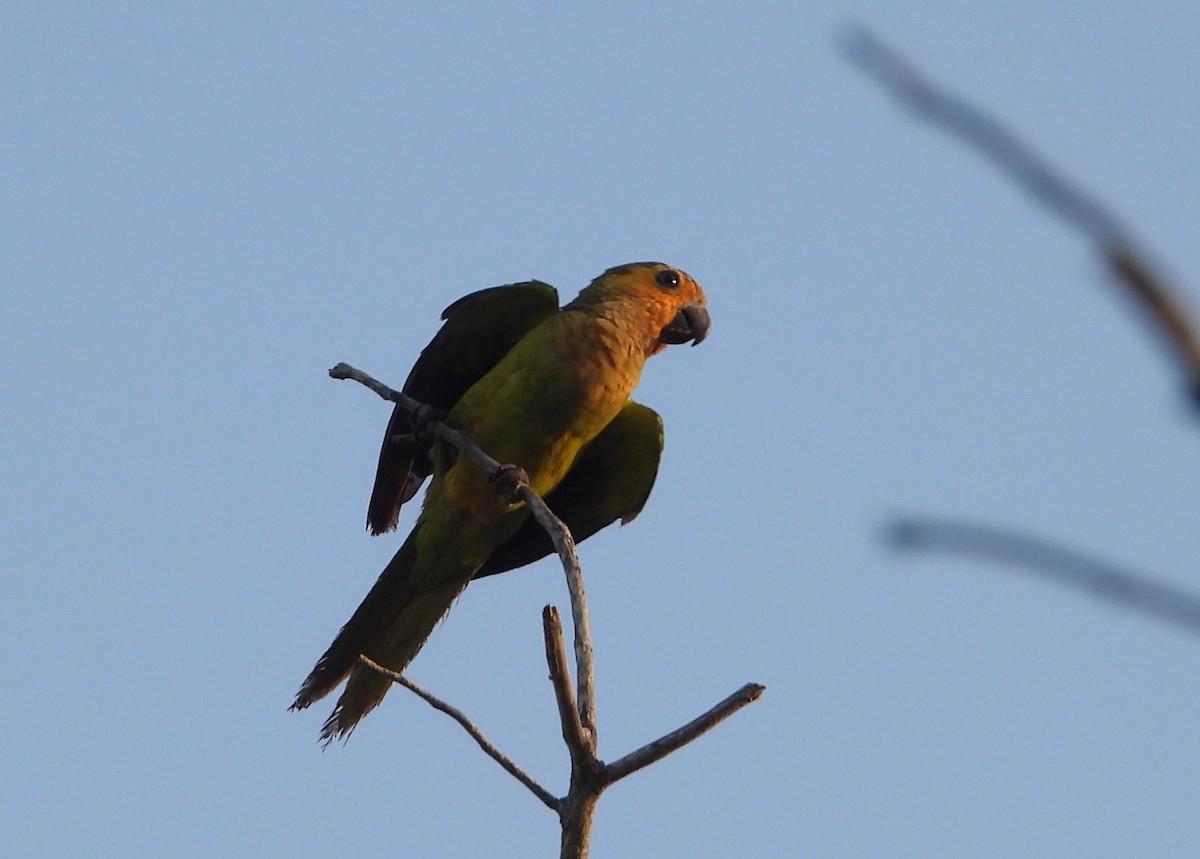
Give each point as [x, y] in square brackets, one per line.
[955, 115]
[1051, 561]
[577, 711]
[1165, 306]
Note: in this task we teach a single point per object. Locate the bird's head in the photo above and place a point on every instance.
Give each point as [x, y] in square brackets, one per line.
[664, 302]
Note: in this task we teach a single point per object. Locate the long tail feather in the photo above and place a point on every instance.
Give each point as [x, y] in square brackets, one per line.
[390, 626]
[409, 631]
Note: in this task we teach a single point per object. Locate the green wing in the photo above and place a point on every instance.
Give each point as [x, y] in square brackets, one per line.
[479, 330]
[610, 480]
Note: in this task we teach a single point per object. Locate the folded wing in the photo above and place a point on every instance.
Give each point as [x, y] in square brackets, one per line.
[610, 480]
[479, 330]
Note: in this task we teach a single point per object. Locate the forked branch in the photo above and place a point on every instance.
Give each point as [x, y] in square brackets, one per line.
[577, 708]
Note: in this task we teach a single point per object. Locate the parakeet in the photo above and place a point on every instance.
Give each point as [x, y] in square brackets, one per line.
[537, 386]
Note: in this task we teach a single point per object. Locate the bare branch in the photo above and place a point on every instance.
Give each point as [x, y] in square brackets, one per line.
[573, 731]
[564, 544]
[577, 712]
[579, 812]
[677, 739]
[344, 371]
[1029, 169]
[1043, 558]
[436, 428]
[548, 799]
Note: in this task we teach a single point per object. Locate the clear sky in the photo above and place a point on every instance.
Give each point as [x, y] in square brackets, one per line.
[205, 206]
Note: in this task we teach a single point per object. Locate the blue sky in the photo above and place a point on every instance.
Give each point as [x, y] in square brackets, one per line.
[205, 207]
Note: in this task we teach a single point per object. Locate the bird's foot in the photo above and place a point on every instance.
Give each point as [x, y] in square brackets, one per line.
[507, 479]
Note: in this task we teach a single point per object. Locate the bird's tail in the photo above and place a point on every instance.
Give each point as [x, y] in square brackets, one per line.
[389, 627]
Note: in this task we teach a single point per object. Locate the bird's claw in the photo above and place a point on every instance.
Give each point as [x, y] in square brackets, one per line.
[507, 479]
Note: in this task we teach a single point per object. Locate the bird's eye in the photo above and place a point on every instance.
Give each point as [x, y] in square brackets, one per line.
[667, 279]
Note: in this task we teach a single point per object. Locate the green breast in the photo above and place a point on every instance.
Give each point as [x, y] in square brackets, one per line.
[551, 394]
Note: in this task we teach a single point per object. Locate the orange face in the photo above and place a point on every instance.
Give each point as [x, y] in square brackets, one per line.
[671, 305]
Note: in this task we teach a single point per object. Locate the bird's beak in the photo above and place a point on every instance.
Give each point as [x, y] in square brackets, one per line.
[690, 323]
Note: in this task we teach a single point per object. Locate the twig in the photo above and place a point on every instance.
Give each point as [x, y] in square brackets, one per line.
[560, 677]
[660, 748]
[1067, 567]
[548, 799]
[564, 544]
[437, 428]
[1030, 170]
